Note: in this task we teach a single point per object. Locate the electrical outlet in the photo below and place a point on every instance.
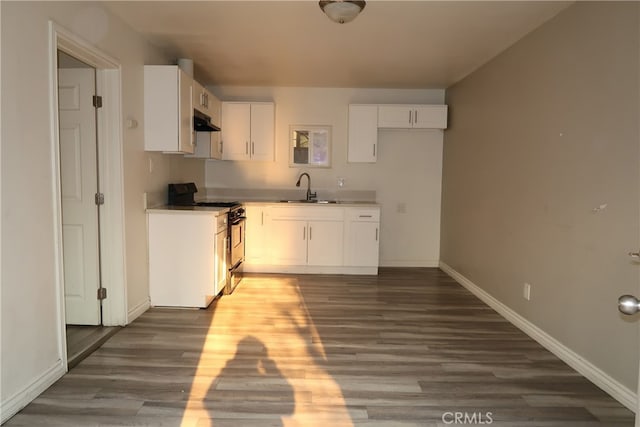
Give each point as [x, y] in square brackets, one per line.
[526, 292]
[340, 182]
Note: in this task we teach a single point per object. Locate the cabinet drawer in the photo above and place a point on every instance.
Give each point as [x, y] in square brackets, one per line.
[363, 214]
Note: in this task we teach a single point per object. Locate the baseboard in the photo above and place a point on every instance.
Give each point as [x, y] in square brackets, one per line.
[410, 263]
[138, 310]
[12, 405]
[615, 389]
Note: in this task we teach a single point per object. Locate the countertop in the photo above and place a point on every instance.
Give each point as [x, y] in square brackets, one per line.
[220, 210]
[188, 209]
[345, 203]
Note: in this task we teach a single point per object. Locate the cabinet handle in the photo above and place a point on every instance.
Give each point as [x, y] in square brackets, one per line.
[409, 116]
[374, 150]
[262, 218]
[304, 233]
[310, 231]
[416, 117]
[221, 147]
[376, 234]
[365, 216]
[253, 148]
[206, 101]
[246, 147]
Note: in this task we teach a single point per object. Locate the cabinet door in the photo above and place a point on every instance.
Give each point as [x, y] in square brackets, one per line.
[430, 117]
[287, 242]
[186, 135]
[362, 244]
[262, 131]
[197, 92]
[255, 249]
[325, 243]
[220, 262]
[363, 133]
[214, 107]
[395, 116]
[236, 119]
[167, 109]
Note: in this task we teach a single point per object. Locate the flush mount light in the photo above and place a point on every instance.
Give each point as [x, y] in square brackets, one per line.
[342, 11]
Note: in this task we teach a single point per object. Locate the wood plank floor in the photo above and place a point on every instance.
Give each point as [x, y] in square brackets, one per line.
[402, 349]
[84, 340]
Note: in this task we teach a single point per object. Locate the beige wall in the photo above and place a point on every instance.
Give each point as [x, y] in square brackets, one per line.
[540, 137]
[407, 173]
[28, 312]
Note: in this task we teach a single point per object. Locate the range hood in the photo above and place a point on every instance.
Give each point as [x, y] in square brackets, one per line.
[202, 123]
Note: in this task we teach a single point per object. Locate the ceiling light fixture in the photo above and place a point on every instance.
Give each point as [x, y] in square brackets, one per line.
[342, 11]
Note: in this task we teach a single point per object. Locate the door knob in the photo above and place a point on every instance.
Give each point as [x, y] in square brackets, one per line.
[634, 255]
[628, 304]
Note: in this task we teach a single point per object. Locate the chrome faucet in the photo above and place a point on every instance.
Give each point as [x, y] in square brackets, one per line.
[310, 195]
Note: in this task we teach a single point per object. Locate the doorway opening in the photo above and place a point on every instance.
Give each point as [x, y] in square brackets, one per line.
[81, 198]
[88, 192]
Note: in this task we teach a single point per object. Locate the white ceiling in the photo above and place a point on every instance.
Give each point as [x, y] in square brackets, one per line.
[392, 44]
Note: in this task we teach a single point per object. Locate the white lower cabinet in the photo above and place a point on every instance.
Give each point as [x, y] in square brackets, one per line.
[311, 239]
[305, 235]
[324, 243]
[256, 252]
[362, 237]
[287, 241]
[186, 258]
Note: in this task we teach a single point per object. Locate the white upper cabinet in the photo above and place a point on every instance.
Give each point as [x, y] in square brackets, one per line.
[430, 117]
[198, 97]
[363, 133]
[208, 145]
[168, 110]
[248, 131]
[412, 116]
[206, 102]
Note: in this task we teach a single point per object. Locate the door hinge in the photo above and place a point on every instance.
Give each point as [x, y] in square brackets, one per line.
[102, 293]
[97, 101]
[99, 199]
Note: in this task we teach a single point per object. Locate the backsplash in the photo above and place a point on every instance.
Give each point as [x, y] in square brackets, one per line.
[246, 194]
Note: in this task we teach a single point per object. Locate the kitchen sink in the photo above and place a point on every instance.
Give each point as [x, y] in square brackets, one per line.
[309, 201]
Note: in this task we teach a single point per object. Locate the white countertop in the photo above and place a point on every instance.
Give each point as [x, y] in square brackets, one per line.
[345, 203]
[188, 209]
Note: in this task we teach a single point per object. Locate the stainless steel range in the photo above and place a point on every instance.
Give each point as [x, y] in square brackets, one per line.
[183, 195]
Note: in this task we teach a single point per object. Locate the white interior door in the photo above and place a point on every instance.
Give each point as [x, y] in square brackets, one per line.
[78, 175]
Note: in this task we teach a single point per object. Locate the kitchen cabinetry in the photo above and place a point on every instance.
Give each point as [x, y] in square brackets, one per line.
[248, 131]
[306, 236]
[168, 109]
[208, 145]
[362, 237]
[200, 98]
[363, 133]
[331, 239]
[256, 251]
[412, 116]
[187, 257]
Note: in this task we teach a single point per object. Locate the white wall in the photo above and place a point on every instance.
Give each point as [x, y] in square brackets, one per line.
[539, 139]
[407, 174]
[30, 352]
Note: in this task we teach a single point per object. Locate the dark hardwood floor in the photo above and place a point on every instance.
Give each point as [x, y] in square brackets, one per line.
[409, 347]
